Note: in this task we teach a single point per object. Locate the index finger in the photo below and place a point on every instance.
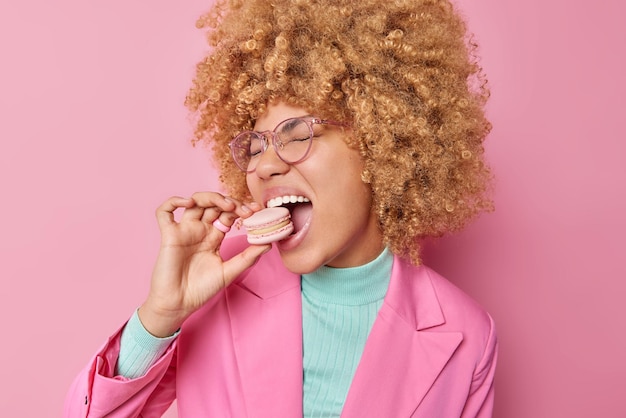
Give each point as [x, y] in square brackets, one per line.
[165, 212]
[224, 203]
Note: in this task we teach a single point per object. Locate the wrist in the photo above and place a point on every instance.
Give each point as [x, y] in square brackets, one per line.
[158, 323]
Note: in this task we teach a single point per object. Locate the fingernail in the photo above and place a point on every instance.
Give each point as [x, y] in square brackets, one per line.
[245, 209]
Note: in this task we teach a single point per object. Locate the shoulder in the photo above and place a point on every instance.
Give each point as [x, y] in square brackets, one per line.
[464, 314]
[431, 302]
[457, 306]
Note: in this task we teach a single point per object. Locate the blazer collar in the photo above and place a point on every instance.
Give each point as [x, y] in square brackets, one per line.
[410, 293]
[402, 358]
[405, 351]
[269, 277]
[265, 311]
[412, 296]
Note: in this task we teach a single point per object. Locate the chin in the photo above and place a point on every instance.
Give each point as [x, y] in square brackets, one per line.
[299, 264]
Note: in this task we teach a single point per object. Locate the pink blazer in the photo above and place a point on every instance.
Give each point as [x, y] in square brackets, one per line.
[431, 353]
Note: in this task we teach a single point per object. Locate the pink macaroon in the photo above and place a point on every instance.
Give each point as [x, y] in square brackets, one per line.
[268, 225]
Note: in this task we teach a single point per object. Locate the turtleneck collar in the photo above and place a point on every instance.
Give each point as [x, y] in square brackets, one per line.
[352, 285]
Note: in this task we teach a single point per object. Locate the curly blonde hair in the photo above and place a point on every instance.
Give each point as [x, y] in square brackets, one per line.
[401, 72]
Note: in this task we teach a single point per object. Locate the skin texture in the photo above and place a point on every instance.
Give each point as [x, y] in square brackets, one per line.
[343, 230]
[189, 269]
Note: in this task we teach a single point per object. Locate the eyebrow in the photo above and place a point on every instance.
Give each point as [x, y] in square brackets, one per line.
[289, 125]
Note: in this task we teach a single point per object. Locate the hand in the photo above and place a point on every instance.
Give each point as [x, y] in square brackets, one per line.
[189, 269]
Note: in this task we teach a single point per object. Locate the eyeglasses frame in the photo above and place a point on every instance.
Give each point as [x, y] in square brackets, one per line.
[276, 143]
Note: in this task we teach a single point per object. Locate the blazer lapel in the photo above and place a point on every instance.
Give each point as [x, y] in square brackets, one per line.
[267, 336]
[404, 353]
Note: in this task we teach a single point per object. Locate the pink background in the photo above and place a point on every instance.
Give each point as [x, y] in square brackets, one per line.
[94, 137]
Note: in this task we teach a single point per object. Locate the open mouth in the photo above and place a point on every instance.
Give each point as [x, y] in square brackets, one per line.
[300, 208]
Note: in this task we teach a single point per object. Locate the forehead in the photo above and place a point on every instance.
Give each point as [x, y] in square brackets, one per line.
[276, 113]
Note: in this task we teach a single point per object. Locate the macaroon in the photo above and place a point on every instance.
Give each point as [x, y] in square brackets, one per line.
[268, 225]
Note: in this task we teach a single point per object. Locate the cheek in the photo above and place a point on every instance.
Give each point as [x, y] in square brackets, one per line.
[347, 184]
[352, 170]
[250, 183]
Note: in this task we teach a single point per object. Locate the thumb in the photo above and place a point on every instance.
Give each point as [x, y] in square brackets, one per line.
[244, 260]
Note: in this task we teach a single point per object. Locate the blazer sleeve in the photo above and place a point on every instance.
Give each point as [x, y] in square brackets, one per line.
[97, 392]
[480, 400]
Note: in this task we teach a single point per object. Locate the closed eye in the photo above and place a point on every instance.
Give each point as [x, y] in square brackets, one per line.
[299, 139]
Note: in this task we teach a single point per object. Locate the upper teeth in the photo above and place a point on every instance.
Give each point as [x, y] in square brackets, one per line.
[283, 200]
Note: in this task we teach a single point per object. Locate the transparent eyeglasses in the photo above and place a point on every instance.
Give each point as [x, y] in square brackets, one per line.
[291, 139]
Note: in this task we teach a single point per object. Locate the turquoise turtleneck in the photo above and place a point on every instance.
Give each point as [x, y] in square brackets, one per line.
[339, 306]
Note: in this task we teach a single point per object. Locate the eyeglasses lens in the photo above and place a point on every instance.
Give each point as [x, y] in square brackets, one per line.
[292, 143]
[293, 139]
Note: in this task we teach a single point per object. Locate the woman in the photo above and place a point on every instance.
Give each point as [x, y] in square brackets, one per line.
[340, 318]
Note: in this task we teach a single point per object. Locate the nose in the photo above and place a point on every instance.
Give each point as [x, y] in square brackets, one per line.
[270, 164]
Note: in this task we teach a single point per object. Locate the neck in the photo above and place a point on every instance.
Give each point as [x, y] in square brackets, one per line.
[351, 285]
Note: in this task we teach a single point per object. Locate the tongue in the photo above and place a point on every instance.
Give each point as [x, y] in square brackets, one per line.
[300, 214]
